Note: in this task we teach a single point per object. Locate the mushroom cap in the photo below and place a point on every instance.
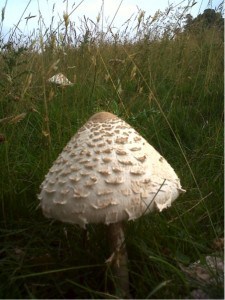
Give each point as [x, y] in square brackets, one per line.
[60, 80]
[107, 173]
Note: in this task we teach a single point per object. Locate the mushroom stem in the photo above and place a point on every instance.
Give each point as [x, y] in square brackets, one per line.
[119, 259]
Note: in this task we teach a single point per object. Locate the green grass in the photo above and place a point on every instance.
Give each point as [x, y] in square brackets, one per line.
[171, 91]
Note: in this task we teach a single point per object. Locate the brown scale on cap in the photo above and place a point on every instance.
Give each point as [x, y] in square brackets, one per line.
[102, 117]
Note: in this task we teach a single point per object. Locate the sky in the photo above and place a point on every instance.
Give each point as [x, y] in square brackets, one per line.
[123, 9]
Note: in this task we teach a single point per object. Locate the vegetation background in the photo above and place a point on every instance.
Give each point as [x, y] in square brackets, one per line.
[164, 76]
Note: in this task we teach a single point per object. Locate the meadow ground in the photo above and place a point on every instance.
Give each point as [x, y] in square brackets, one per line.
[170, 89]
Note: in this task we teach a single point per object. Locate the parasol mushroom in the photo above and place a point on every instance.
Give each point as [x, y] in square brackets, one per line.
[108, 174]
[60, 80]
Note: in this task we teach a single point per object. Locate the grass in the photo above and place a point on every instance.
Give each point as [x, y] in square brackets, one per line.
[171, 91]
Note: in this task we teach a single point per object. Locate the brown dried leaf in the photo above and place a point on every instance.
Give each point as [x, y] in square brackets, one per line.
[6, 119]
[2, 138]
[12, 119]
[133, 72]
[116, 61]
[45, 133]
[17, 118]
[19, 253]
[218, 243]
[32, 109]
[205, 273]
